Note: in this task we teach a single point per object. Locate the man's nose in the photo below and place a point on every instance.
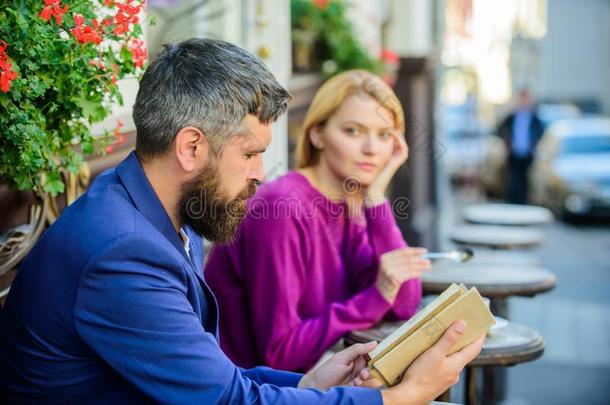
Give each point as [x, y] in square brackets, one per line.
[257, 171]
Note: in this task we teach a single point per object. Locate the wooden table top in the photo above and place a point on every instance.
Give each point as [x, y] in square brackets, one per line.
[512, 344]
[497, 236]
[507, 214]
[492, 280]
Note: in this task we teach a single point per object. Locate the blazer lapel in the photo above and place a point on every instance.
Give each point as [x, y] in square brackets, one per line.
[197, 256]
[147, 202]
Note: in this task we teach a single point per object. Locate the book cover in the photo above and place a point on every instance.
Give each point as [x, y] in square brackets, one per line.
[394, 354]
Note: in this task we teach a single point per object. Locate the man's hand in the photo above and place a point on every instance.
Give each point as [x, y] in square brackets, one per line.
[366, 379]
[435, 370]
[398, 266]
[345, 368]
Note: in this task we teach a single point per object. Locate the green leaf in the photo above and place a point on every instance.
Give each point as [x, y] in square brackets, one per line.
[53, 186]
[137, 30]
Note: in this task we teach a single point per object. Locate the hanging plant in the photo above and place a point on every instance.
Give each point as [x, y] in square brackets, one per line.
[59, 67]
[335, 45]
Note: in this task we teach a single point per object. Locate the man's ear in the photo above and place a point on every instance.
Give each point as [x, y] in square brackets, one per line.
[191, 148]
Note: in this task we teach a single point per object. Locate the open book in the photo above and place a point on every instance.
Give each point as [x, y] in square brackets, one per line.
[394, 354]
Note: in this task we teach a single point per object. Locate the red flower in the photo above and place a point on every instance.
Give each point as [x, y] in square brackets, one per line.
[120, 138]
[97, 63]
[106, 23]
[117, 133]
[78, 19]
[127, 14]
[321, 4]
[138, 51]
[6, 78]
[85, 33]
[7, 73]
[121, 28]
[389, 56]
[53, 8]
[115, 74]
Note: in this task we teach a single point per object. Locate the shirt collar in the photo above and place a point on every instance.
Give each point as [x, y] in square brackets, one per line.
[186, 241]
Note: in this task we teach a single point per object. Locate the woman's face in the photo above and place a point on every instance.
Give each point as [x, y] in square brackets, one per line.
[357, 141]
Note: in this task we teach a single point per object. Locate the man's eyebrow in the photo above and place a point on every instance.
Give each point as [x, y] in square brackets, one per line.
[260, 150]
[248, 139]
[253, 146]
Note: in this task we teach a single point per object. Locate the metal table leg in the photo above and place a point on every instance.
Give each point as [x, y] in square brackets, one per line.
[470, 389]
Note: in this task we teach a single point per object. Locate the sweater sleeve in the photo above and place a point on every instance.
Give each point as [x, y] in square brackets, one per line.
[382, 235]
[277, 274]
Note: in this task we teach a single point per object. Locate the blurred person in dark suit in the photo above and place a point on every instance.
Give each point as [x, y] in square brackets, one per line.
[521, 130]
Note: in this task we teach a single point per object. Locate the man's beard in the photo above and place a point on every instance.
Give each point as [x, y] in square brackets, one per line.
[205, 207]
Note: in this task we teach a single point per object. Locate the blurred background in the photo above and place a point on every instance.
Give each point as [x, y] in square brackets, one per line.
[505, 100]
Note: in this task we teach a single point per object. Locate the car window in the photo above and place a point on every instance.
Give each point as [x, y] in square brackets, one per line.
[586, 144]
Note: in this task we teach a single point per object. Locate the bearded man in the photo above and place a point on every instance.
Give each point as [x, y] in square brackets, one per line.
[111, 305]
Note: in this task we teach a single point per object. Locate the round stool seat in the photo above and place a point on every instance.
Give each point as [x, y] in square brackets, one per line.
[504, 257]
[507, 214]
[512, 344]
[496, 236]
[492, 280]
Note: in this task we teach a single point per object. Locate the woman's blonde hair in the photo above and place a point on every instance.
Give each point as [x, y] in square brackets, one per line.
[330, 96]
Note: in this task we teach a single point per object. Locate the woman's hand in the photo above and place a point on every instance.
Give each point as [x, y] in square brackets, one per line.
[345, 368]
[398, 266]
[376, 190]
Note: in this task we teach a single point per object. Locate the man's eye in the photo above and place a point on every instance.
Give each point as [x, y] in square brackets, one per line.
[249, 156]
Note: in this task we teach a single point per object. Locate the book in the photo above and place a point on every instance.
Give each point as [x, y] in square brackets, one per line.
[392, 356]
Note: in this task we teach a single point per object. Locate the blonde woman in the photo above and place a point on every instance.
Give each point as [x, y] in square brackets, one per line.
[319, 253]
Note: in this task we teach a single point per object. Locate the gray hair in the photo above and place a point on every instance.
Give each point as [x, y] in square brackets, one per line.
[205, 83]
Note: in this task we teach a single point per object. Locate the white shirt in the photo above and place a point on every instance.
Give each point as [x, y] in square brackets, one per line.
[186, 241]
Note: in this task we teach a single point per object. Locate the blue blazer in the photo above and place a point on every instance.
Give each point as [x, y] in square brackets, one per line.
[109, 308]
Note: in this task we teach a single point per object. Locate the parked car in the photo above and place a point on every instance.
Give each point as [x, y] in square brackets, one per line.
[493, 175]
[551, 112]
[462, 142]
[463, 153]
[571, 169]
[493, 171]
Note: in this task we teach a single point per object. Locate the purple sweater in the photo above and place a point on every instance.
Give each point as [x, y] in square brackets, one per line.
[301, 275]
